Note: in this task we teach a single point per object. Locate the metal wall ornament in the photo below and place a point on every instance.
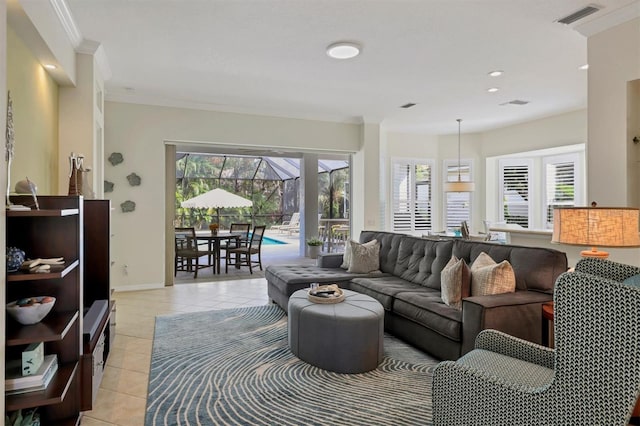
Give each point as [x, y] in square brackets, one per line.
[10, 140]
[115, 158]
[108, 186]
[128, 206]
[134, 179]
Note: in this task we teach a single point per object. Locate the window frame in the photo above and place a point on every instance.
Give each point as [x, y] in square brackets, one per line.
[412, 211]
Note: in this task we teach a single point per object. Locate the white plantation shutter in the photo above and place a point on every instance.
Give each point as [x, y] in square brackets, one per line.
[457, 204]
[515, 187]
[562, 188]
[412, 184]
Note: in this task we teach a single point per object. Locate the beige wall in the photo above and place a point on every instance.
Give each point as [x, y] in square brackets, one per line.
[3, 191]
[139, 133]
[35, 117]
[614, 61]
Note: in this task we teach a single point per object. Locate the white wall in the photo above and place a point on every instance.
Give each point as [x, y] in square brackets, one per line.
[139, 132]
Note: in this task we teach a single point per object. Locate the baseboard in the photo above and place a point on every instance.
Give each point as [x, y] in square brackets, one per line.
[138, 287]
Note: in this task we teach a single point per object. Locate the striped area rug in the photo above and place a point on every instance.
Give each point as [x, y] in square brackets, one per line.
[234, 367]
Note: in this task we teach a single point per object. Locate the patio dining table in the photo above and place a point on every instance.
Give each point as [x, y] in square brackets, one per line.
[214, 242]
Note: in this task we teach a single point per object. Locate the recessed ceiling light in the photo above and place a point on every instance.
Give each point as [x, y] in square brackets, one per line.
[496, 73]
[492, 90]
[50, 66]
[584, 67]
[343, 50]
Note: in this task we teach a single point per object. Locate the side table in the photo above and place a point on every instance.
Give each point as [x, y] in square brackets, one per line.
[547, 340]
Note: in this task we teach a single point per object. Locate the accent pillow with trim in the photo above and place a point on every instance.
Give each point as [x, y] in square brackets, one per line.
[455, 282]
[346, 257]
[489, 277]
[365, 258]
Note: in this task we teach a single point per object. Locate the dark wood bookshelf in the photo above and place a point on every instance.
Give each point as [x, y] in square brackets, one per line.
[54, 231]
[42, 213]
[53, 394]
[54, 326]
[57, 271]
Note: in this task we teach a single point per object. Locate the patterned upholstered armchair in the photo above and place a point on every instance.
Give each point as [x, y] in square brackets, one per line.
[591, 378]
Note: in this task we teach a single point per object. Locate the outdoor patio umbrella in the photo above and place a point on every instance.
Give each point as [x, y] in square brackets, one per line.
[216, 199]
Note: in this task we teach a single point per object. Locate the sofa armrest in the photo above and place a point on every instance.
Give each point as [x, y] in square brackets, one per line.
[505, 344]
[518, 314]
[329, 260]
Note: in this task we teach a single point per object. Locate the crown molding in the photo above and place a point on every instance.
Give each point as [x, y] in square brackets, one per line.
[610, 20]
[68, 22]
[90, 47]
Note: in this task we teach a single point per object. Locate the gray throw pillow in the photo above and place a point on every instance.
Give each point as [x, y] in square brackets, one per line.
[489, 277]
[455, 282]
[365, 258]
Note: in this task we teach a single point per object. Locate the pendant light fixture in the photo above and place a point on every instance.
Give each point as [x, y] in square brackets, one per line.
[459, 185]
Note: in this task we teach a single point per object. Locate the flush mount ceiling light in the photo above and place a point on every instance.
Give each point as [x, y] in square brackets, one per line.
[343, 50]
[496, 73]
[492, 90]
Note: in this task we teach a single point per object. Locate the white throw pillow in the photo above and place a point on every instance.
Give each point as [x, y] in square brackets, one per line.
[346, 257]
[489, 277]
[365, 258]
[455, 282]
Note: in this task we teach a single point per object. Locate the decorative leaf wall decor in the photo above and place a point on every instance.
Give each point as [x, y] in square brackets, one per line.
[134, 179]
[128, 206]
[115, 158]
[108, 186]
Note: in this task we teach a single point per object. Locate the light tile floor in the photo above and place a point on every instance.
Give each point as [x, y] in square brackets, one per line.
[122, 395]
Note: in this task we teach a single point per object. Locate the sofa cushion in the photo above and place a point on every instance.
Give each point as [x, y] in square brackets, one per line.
[389, 244]
[383, 289]
[455, 282]
[489, 277]
[427, 309]
[535, 268]
[421, 261]
[365, 257]
[289, 278]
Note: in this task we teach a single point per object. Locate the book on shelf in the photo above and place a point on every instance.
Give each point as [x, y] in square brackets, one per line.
[15, 381]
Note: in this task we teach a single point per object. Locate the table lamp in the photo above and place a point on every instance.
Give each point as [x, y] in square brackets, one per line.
[596, 226]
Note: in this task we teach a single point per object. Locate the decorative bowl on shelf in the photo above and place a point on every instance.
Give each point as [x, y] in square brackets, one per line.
[30, 310]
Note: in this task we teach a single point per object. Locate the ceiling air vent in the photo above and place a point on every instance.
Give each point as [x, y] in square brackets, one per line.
[515, 102]
[408, 105]
[582, 13]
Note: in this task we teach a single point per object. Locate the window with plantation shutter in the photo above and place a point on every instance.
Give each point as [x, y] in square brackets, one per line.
[561, 186]
[457, 204]
[515, 188]
[412, 184]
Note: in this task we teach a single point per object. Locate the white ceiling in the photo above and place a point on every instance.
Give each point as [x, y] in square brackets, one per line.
[268, 57]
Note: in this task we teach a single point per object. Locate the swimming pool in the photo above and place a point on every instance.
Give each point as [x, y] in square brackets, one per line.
[268, 241]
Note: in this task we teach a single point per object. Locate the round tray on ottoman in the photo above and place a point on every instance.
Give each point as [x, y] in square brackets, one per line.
[336, 297]
[344, 337]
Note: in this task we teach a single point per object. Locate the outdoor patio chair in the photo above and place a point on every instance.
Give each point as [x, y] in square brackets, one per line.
[293, 223]
[243, 228]
[188, 252]
[242, 255]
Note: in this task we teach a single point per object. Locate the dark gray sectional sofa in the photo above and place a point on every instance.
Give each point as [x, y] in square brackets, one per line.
[408, 287]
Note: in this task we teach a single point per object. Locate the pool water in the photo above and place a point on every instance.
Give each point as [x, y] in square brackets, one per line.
[268, 241]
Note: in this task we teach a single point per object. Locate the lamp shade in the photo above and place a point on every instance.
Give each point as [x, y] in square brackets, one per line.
[596, 226]
[459, 186]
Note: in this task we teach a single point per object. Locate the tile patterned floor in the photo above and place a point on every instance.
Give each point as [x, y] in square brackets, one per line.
[122, 395]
